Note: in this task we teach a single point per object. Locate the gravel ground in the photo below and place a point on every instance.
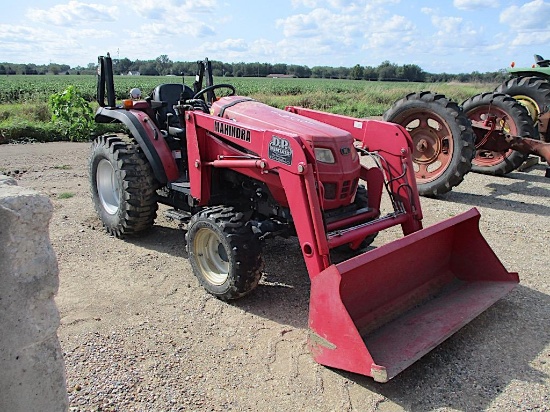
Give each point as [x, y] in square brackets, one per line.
[140, 334]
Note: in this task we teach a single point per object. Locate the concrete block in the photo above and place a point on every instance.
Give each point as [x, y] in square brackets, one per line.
[31, 361]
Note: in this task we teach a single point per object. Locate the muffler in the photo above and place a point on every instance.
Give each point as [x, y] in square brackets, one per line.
[379, 312]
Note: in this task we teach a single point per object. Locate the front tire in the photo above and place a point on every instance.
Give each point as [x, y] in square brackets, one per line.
[224, 253]
[511, 117]
[122, 185]
[443, 141]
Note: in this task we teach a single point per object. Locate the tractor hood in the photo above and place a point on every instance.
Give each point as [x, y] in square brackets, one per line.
[255, 114]
[337, 160]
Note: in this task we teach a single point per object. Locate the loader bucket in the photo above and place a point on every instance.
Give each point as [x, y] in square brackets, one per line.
[379, 312]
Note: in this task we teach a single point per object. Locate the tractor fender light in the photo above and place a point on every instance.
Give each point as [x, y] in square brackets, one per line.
[127, 103]
[513, 64]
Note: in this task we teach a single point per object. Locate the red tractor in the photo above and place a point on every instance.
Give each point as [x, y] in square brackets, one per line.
[237, 172]
[490, 133]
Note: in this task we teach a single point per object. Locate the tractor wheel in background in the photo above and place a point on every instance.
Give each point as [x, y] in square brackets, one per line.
[122, 185]
[224, 252]
[511, 117]
[533, 93]
[443, 141]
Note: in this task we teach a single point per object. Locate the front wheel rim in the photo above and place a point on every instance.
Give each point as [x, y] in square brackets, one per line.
[107, 187]
[211, 256]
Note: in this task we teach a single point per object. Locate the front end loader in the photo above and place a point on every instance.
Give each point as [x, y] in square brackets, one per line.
[236, 172]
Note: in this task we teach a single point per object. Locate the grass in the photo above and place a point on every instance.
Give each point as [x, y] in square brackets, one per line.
[25, 115]
[65, 195]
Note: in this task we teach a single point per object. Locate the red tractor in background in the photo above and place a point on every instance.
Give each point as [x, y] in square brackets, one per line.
[489, 133]
[236, 172]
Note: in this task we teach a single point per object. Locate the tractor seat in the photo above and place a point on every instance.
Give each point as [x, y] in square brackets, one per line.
[170, 93]
[541, 62]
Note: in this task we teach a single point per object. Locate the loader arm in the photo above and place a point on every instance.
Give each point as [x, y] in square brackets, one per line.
[395, 145]
[296, 173]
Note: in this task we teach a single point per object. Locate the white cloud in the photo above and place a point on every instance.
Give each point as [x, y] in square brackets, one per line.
[160, 31]
[73, 13]
[394, 32]
[532, 38]
[455, 30]
[302, 25]
[26, 43]
[475, 4]
[345, 31]
[182, 10]
[229, 45]
[173, 17]
[532, 15]
[529, 24]
[306, 3]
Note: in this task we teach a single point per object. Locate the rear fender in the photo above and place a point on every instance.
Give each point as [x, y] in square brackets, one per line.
[542, 72]
[149, 138]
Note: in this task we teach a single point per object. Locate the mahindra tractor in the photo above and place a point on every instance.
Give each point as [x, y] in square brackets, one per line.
[236, 172]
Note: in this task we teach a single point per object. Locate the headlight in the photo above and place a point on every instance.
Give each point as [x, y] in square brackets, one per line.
[324, 155]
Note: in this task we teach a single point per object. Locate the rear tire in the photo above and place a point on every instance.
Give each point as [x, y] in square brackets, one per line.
[224, 253]
[443, 141]
[122, 185]
[531, 92]
[512, 117]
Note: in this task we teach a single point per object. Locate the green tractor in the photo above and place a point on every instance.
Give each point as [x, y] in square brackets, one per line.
[530, 86]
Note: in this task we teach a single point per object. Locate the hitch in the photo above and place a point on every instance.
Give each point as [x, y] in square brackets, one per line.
[499, 141]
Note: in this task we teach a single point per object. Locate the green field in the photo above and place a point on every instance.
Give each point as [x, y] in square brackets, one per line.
[23, 99]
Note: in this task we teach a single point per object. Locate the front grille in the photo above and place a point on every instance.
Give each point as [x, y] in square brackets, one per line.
[330, 190]
[348, 187]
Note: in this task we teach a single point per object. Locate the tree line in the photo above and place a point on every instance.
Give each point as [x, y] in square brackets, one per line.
[162, 66]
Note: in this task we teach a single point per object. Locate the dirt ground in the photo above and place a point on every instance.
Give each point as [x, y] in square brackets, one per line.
[140, 334]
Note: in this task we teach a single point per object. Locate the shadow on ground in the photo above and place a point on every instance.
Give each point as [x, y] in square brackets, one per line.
[515, 182]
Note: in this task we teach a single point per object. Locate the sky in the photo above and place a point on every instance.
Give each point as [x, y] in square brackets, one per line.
[452, 36]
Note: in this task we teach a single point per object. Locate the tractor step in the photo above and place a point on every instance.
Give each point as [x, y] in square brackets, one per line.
[179, 215]
[184, 187]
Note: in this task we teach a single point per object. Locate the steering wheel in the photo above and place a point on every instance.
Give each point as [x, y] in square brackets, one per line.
[214, 87]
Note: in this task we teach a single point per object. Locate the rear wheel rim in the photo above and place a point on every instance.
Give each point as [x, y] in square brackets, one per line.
[432, 144]
[530, 104]
[211, 256]
[107, 187]
[489, 158]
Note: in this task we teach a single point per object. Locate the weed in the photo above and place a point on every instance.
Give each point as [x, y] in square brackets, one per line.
[65, 195]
